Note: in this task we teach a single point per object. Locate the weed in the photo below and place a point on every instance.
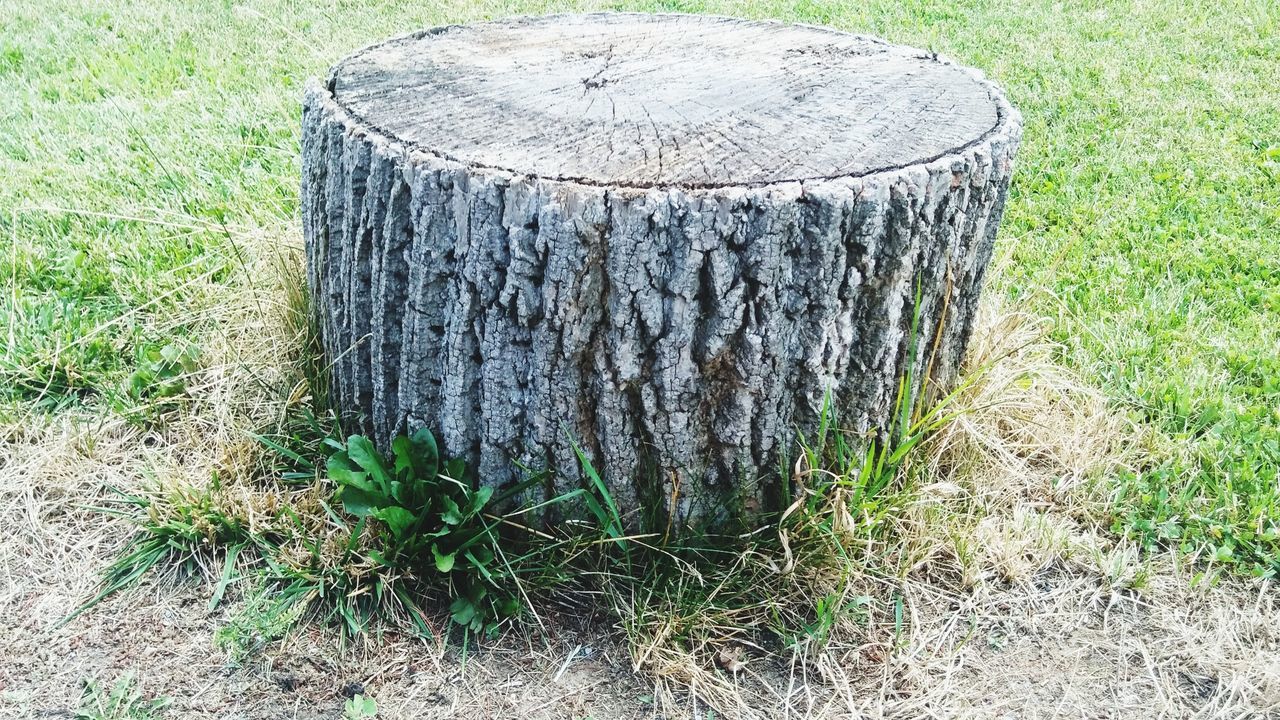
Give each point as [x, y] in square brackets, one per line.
[431, 521]
[123, 701]
[825, 558]
[262, 619]
[159, 379]
[371, 537]
[162, 373]
[359, 707]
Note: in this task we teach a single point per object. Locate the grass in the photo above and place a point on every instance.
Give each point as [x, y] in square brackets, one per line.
[145, 145]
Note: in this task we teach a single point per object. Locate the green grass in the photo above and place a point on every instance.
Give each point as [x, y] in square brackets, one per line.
[138, 140]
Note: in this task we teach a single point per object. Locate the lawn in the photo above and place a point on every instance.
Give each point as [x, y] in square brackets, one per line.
[139, 139]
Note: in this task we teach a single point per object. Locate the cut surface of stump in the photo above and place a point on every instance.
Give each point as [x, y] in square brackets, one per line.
[668, 240]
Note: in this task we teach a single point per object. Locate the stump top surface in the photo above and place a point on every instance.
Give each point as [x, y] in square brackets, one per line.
[637, 100]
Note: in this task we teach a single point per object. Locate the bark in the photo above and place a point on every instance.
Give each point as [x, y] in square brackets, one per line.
[679, 317]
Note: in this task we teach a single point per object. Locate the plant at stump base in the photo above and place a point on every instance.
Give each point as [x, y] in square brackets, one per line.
[431, 521]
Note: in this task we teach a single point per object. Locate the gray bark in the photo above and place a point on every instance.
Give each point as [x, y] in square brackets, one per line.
[664, 238]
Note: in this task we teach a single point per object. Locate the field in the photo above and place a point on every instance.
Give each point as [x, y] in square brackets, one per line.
[1127, 528]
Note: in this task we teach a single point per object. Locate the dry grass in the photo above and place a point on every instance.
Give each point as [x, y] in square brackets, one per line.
[998, 596]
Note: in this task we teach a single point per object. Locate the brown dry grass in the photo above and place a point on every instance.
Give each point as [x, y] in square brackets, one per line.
[1014, 602]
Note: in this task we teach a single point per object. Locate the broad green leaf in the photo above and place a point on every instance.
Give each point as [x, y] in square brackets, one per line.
[361, 451]
[402, 449]
[397, 518]
[339, 460]
[481, 498]
[507, 606]
[341, 472]
[478, 565]
[359, 502]
[481, 554]
[462, 611]
[444, 563]
[455, 468]
[436, 534]
[426, 455]
[451, 515]
[421, 491]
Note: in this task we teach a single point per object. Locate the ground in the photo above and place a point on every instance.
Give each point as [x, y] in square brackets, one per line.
[1108, 547]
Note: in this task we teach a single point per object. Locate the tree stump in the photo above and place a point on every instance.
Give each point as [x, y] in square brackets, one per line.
[665, 238]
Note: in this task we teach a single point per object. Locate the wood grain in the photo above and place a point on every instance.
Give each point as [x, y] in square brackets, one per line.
[639, 100]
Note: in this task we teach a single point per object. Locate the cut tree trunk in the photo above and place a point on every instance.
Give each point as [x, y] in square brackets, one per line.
[667, 239]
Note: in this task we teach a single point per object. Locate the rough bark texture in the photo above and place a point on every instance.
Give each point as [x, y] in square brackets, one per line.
[516, 265]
